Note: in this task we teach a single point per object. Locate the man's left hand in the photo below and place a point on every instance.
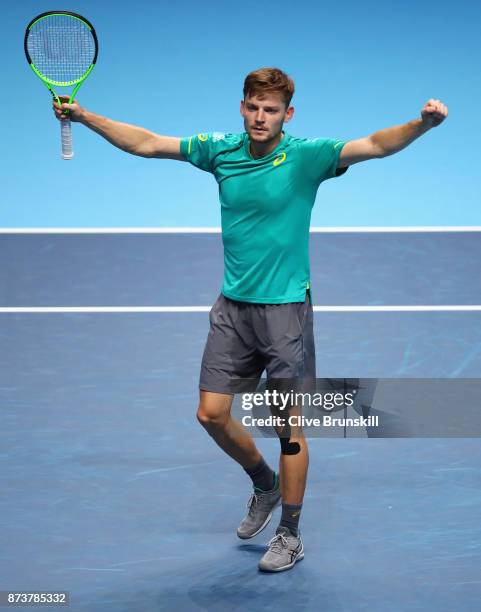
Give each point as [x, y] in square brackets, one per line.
[434, 113]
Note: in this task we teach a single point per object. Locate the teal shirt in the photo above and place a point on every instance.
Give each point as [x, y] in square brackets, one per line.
[266, 206]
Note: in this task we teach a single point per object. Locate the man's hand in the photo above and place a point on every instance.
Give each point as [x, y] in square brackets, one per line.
[433, 113]
[76, 111]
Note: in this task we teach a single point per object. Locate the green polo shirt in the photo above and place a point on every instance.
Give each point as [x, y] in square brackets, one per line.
[266, 206]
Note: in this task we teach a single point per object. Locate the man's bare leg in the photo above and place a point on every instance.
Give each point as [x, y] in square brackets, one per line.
[286, 548]
[293, 465]
[214, 414]
[293, 472]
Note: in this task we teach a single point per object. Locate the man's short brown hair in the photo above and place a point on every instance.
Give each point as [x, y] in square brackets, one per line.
[265, 81]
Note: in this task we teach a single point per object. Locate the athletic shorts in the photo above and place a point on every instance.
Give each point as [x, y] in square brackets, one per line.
[245, 339]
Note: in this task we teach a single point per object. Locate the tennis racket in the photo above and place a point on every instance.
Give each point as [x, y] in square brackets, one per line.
[61, 48]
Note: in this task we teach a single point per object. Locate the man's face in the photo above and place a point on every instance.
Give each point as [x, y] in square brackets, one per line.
[264, 117]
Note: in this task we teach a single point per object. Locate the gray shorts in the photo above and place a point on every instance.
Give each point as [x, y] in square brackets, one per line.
[245, 339]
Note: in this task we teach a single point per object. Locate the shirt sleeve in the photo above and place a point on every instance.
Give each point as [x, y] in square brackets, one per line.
[200, 150]
[321, 156]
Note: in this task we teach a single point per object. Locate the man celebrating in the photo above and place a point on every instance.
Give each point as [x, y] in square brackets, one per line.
[262, 319]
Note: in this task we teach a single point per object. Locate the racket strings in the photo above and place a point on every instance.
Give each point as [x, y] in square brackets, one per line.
[61, 47]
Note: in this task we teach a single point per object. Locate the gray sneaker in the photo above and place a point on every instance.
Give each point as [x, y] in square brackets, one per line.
[261, 505]
[284, 550]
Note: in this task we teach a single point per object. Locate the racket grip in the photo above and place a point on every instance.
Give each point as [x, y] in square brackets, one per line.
[66, 135]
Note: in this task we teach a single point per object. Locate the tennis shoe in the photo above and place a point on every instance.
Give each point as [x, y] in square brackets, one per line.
[284, 550]
[260, 506]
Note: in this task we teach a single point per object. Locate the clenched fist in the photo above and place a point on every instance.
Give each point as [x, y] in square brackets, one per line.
[434, 113]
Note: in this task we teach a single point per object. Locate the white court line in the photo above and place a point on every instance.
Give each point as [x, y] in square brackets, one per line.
[160, 309]
[217, 230]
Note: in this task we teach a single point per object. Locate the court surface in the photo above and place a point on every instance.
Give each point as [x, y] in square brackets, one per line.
[113, 492]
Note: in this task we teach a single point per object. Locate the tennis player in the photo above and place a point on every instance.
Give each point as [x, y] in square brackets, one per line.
[262, 319]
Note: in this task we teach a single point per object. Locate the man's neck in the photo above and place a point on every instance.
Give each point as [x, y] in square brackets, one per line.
[262, 149]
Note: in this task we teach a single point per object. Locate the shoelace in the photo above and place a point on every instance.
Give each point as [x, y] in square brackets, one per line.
[252, 502]
[277, 543]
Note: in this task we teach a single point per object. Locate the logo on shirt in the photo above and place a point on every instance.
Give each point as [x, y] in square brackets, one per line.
[279, 159]
[202, 137]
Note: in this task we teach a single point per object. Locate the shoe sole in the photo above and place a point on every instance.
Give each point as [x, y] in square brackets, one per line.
[263, 526]
[299, 557]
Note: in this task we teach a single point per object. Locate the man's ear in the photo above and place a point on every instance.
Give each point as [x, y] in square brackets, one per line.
[242, 108]
[289, 114]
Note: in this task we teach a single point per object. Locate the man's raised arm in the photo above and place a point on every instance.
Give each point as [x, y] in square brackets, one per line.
[129, 138]
[391, 140]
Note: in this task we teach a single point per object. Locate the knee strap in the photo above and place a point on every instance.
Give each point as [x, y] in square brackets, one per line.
[288, 447]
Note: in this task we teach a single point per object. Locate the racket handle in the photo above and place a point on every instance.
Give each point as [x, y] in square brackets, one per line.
[66, 134]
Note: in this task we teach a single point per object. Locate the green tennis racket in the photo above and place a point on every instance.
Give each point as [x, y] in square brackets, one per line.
[61, 48]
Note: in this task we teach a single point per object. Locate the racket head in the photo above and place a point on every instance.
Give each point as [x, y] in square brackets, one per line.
[61, 47]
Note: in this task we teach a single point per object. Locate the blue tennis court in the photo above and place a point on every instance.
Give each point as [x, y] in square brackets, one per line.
[113, 492]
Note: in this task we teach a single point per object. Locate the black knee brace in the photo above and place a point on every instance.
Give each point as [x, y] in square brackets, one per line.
[288, 447]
